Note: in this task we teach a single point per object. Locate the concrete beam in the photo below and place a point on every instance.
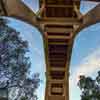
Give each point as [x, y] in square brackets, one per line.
[90, 18]
[58, 30]
[60, 21]
[17, 9]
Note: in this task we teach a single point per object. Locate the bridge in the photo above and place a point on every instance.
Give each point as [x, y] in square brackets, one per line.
[59, 22]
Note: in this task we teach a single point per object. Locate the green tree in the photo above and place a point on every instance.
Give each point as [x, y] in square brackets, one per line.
[15, 64]
[89, 87]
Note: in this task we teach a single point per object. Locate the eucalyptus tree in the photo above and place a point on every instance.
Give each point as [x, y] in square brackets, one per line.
[15, 63]
[90, 87]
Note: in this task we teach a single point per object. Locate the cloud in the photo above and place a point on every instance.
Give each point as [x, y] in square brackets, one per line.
[89, 65]
[38, 51]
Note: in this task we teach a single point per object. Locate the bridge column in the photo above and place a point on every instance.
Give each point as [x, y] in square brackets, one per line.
[59, 20]
[58, 50]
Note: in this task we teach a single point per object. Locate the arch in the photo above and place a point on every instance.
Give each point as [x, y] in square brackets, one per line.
[17, 9]
[90, 18]
[84, 47]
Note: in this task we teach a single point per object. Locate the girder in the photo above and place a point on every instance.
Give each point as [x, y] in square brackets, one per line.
[90, 18]
[2, 8]
[59, 19]
[17, 9]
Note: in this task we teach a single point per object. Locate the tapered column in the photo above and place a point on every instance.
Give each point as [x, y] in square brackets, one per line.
[58, 19]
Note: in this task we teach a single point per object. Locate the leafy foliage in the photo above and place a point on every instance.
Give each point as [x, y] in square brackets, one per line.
[28, 88]
[15, 64]
[90, 87]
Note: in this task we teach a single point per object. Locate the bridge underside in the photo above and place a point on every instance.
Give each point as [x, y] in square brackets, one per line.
[60, 22]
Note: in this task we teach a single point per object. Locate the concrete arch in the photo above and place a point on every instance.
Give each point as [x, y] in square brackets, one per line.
[18, 10]
[92, 17]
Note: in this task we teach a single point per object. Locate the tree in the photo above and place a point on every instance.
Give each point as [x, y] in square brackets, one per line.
[15, 63]
[90, 87]
[27, 90]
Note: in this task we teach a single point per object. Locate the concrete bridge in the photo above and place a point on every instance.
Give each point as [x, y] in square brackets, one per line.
[59, 22]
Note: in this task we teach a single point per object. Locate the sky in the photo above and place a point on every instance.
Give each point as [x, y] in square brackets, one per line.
[85, 58]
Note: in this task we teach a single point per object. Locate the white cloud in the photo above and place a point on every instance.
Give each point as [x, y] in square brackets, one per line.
[89, 65]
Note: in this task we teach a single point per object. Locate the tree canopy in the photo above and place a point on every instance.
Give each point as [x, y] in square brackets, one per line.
[90, 87]
[15, 63]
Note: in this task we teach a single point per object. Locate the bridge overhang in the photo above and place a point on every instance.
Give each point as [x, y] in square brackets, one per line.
[90, 18]
[18, 10]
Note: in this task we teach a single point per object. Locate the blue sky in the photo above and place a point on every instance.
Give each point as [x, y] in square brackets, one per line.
[85, 55]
